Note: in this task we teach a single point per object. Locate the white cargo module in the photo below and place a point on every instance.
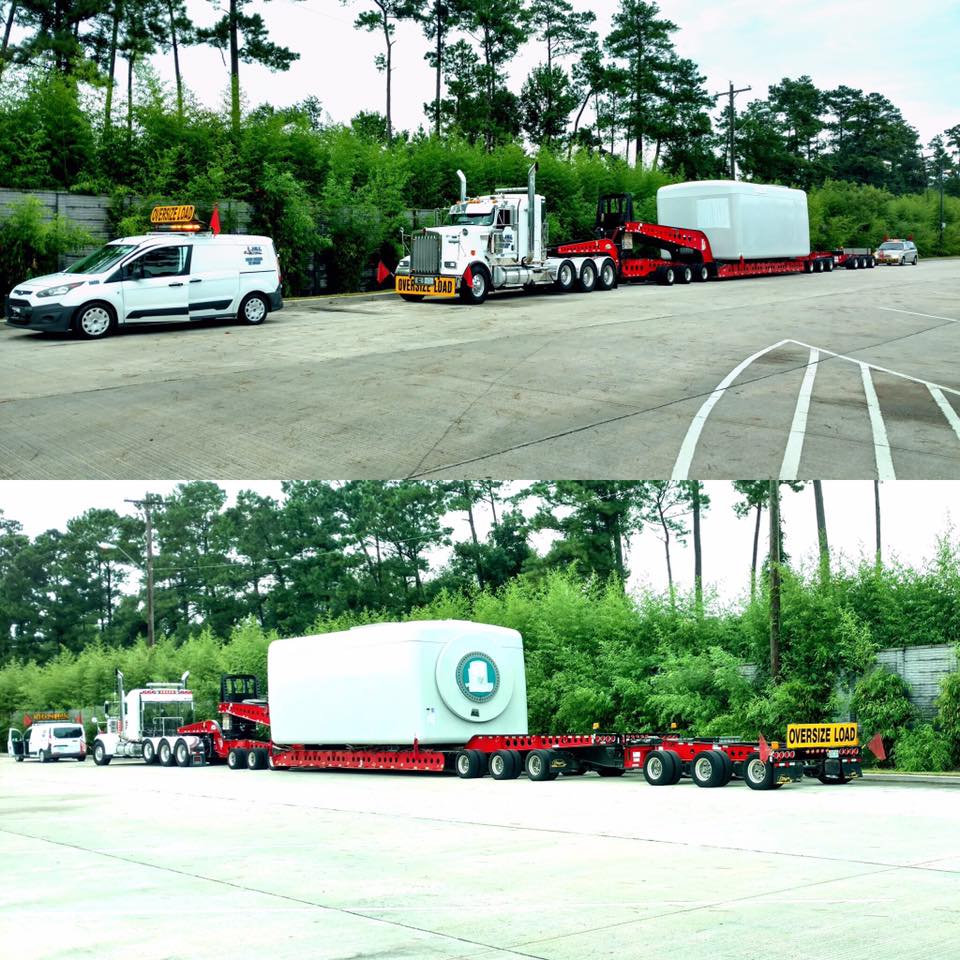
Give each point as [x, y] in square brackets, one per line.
[746, 220]
[388, 684]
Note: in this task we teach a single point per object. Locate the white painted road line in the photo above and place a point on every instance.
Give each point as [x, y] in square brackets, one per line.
[881, 445]
[913, 313]
[791, 457]
[688, 448]
[948, 411]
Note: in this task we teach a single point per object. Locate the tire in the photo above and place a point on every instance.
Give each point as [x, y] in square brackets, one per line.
[832, 781]
[479, 289]
[181, 753]
[468, 765]
[587, 281]
[93, 321]
[666, 276]
[707, 768]
[100, 757]
[20, 759]
[253, 309]
[610, 772]
[916, 259]
[727, 769]
[701, 273]
[566, 277]
[538, 765]
[165, 753]
[412, 297]
[504, 765]
[659, 768]
[42, 756]
[257, 759]
[81, 758]
[677, 766]
[685, 275]
[756, 774]
[828, 266]
[607, 277]
[149, 752]
[237, 758]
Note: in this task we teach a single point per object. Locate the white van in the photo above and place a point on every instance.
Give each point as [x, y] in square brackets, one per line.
[157, 278]
[48, 741]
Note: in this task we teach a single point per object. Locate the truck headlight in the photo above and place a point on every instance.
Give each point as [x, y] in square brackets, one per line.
[60, 290]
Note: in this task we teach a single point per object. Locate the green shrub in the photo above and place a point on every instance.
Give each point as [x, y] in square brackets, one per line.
[31, 245]
[791, 701]
[920, 750]
[948, 713]
[882, 705]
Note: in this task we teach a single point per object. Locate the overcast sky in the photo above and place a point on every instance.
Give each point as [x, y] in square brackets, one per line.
[914, 515]
[906, 51]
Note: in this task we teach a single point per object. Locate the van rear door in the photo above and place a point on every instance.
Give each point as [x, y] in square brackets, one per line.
[214, 278]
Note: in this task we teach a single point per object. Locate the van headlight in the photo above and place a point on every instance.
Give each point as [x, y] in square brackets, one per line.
[60, 290]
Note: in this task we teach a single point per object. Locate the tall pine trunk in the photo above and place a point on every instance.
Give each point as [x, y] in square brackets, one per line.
[389, 42]
[111, 79]
[697, 550]
[753, 561]
[824, 549]
[876, 512]
[6, 35]
[436, 107]
[774, 565]
[176, 60]
[234, 68]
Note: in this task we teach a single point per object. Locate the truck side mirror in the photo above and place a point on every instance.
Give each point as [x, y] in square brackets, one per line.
[106, 708]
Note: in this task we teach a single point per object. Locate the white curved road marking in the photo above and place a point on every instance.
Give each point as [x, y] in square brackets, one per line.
[791, 456]
[689, 446]
[881, 445]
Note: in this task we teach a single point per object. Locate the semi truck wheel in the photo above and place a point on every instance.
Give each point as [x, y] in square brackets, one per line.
[181, 753]
[610, 771]
[479, 286]
[588, 277]
[149, 752]
[411, 297]
[757, 774]
[100, 757]
[607, 278]
[539, 766]
[504, 765]
[237, 758]
[658, 768]
[566, 277]
[165, 753]
[707, 769]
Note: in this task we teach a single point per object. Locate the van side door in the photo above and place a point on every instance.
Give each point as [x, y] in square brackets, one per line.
[155, 285]
[214, 279]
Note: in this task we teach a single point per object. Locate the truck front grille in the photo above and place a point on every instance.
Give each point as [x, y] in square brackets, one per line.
[425, 255]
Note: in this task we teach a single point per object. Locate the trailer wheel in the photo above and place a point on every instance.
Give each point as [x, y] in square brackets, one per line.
[165, 752]
[707, 768]
[607, 278]
[701, 273]
[468, 765]
[666, 276]
[832, 781]
[504, 765]
[566, 277]
[588, 277]
[539, 766]
[100, 757]
[677, 766]
[149, 752]
[757, 774]
[828, 265]
[658, 768]
[257, 759]
[610, 771]
[237, 758]
[685, 275]
[412, 297]
[727, 769]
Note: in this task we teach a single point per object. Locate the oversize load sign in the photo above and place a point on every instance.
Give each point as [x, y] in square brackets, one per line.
[427, 286]
[822, 735]
[181, 214]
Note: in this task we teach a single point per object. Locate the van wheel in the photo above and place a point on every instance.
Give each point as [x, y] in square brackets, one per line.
[95, 320]
[253, 310]
[41, 756]
[82, 757]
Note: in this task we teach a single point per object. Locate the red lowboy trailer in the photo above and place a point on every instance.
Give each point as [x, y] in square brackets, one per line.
[239, 740]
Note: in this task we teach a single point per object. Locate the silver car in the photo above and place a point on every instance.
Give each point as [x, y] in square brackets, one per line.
[898, 253]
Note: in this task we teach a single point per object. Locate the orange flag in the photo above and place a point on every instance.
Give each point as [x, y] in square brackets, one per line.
[764, 750]
[215, 220]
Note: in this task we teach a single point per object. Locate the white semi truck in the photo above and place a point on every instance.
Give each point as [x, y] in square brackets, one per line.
[496, 242]
[147, 726]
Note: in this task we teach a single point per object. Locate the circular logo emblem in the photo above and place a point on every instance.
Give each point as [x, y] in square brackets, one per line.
[477, 677]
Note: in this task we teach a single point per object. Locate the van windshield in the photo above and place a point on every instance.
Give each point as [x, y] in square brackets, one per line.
[104, 259]
[891, 246]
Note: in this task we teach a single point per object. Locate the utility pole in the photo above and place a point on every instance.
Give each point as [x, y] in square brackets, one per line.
[774, 580]
[731, 93]
[145, 505]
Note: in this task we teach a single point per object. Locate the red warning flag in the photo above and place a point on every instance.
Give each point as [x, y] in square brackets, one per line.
[764, 750]
[215, 220]
[382, 272]
[875, 746]
[468, 277]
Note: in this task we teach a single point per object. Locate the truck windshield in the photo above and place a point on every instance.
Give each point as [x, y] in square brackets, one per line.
[891, 246]
[471, 219]
[102, 260]
[163, 719]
